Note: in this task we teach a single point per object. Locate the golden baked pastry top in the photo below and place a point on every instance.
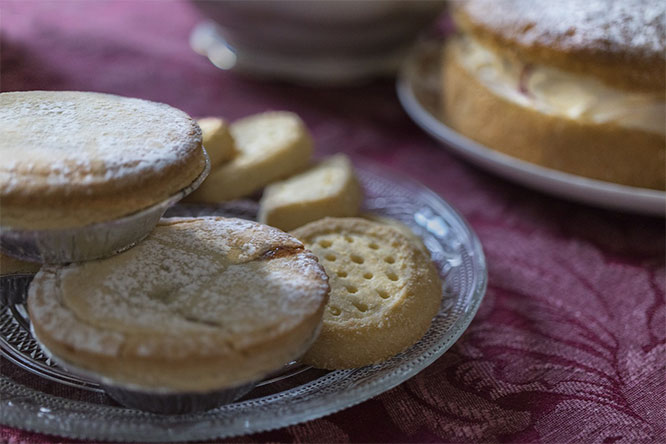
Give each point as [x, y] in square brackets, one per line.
[74, 158]
[619, 41]
[200, 304]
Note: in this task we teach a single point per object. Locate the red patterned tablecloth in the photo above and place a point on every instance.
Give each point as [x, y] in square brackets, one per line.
[569, 343]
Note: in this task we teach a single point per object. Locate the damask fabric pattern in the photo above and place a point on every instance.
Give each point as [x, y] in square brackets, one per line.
[569, 344]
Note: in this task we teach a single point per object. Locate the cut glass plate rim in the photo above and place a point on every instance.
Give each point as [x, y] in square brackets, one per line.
[28, 409]
[419, 73]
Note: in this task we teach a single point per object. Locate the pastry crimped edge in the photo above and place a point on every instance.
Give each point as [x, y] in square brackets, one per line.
[42, 208]
[607, 151]
[42, 204]
[336, 346]
[201, 373]
[521, 37]
[236, 360]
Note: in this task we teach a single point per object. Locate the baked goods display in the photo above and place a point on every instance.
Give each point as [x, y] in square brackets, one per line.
[217, 140]
[384, 291]
[270, 147]
[577, 87]
[71, 159]
[201, 308]
[202, 303]
[328, 189]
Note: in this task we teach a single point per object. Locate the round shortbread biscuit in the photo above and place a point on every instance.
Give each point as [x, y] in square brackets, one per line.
[384, 291]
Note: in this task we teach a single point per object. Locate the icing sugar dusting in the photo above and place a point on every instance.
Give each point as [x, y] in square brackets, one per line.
[609, 25]
[88, 136]
[198, 281]
[56, 320]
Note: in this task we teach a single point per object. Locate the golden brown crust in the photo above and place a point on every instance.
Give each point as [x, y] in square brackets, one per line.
[402, 228]
[76, 167]
[595, 38]
[384, 292]
[600, 151]
[201, 304]
[43, 208]
[217, 140]
[10, 265]
[196, 373]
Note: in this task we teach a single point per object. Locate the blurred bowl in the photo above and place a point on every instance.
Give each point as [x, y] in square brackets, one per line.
[325, 41]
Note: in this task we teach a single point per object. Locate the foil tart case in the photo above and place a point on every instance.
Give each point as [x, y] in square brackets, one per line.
[157, 400]
[164, 400]
[92, 241]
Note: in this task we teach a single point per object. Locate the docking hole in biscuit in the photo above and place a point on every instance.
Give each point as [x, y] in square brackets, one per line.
[389, 260]
[373, 245]
[330, 257]
[357, 259]
[367, 275]
[383, 294]
[335, 311]
[342, 274]
[351, 289]
[325, 243]
[349, 239]
[360, 306]
[392, 276]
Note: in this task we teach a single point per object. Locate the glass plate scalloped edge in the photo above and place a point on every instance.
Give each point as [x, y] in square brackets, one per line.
[458, 256]
[419, 91]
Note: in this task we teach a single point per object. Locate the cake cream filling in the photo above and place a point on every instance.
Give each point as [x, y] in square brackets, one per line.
[556, 92]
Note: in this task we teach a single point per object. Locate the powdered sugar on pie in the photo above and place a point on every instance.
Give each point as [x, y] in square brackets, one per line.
[195, 289]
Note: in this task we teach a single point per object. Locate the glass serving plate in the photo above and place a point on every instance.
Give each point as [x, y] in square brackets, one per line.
[37, 395]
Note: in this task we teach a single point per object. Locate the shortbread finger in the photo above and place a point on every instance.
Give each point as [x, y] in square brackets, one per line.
[217, 140]
[384, 292]
[328, 189]
[271, 146]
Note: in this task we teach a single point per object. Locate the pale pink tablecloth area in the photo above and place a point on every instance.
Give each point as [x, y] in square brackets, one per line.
[569, 343]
